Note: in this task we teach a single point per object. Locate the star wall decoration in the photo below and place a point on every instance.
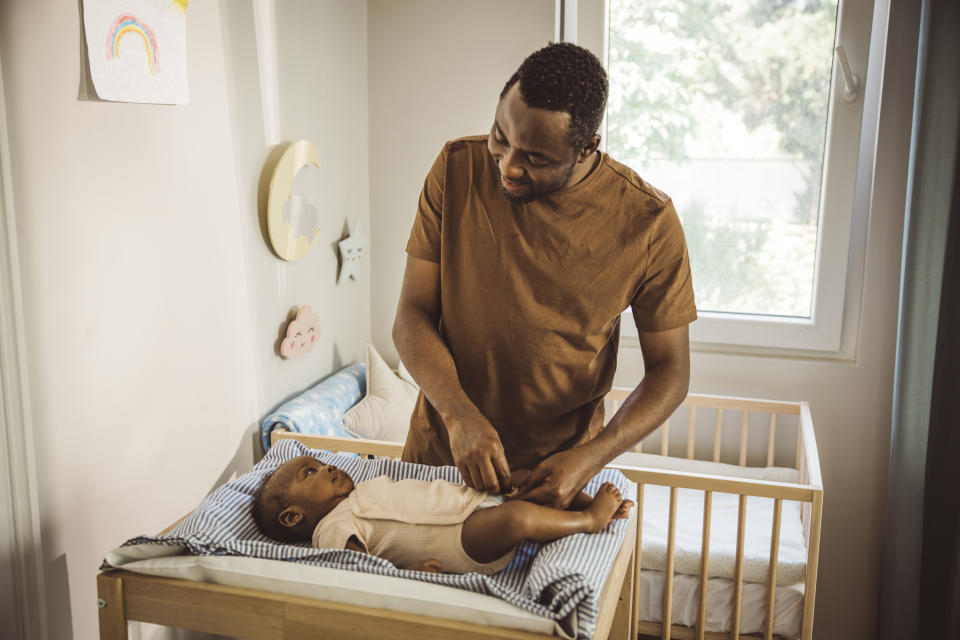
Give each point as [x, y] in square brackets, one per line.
[353, 250]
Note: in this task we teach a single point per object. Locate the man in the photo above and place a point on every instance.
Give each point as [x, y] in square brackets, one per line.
[527, 246]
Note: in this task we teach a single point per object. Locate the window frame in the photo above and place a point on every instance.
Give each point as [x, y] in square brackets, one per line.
[830, 331]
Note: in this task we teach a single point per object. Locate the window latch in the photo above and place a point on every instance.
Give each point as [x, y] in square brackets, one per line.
[851, 83]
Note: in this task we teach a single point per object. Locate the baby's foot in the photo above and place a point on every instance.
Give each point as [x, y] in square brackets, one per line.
[622, 511]
[604, 505]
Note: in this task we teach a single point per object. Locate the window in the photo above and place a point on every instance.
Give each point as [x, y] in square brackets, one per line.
[739, 111]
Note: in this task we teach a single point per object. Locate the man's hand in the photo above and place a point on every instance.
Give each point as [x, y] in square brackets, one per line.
[478, 453]
[556, 481]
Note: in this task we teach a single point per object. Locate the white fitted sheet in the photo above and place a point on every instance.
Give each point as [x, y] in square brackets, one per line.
[792, 551]
[788, 604]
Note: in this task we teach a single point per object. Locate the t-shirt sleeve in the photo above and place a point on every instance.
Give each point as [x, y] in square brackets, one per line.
[424, 242]
[334, 532]
[664, 298]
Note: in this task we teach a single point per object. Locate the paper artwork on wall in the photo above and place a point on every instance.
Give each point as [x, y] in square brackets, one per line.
[302, 335]
[293, 219]
[353, 250]
[138, 50]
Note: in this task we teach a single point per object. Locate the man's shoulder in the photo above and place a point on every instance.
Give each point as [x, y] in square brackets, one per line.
[657, 198]
[470, 144]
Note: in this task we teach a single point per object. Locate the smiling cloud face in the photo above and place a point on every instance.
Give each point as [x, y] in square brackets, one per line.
[303, 332]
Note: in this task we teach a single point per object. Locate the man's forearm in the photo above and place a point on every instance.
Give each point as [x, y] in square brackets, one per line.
[649, 405]
[427, 357]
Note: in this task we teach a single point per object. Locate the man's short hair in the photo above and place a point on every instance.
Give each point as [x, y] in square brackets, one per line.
[565, 77]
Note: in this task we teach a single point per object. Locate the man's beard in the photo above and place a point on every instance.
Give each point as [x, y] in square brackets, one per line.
[512, 197]
[533, 195]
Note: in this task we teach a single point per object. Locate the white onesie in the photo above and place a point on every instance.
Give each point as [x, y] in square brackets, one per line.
[406, 521]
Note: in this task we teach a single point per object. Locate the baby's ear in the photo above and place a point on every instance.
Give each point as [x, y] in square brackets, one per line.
[290, 517]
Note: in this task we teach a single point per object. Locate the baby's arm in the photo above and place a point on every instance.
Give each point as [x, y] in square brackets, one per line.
[429, 565]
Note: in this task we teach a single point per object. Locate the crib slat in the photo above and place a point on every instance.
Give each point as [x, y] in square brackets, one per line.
[800, 451]
[638, 555]
[668, 572]
[802, 463]
[744, 427]
[691, 432]
[665, 439]
[772, 569]
[771, 446]
[738, 577]
[717, 432]
[704, 563]
[813, 559]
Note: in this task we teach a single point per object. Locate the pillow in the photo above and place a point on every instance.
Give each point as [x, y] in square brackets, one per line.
[384, 414]
[319, 410]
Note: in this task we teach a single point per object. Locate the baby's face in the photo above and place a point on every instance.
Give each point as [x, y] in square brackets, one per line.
[313, 486]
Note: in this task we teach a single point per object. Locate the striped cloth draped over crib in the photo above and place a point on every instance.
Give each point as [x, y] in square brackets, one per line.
[560, 581]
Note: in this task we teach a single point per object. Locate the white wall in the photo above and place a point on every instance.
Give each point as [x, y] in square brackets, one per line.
[152, 302]
[436, 71]
[416, 104]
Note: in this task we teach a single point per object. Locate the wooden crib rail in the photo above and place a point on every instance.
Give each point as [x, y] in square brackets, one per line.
[336, 444]
[619, 394]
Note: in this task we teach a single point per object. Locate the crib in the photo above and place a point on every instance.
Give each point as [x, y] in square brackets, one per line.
[746, 430]
[787, 430]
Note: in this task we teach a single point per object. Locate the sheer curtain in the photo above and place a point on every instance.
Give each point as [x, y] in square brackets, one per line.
[920, 582]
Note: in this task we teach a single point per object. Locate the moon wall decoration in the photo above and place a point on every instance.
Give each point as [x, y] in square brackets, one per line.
[292, 222]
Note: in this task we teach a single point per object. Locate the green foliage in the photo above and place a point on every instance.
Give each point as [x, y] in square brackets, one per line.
[677, 64]
[746, 266]
[724, 259]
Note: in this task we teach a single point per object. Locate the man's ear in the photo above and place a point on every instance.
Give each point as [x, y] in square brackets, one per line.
[588, 149]
[290, 517]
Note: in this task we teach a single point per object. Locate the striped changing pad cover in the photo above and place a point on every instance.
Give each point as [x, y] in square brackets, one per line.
[560, 581]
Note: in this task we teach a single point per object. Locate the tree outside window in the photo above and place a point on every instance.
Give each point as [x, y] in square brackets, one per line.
[723, 105]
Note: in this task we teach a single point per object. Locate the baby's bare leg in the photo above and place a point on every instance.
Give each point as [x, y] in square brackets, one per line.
[490, 533]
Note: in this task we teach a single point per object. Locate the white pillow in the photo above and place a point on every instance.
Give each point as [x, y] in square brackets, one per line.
[384, 413]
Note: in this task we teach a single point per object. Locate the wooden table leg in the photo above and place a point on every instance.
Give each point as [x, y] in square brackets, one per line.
[113, 622]
[622, 627]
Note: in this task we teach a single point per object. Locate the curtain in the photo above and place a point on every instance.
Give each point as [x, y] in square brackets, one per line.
[920, 575]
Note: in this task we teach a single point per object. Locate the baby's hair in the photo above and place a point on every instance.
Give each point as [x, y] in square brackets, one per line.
[266, 511]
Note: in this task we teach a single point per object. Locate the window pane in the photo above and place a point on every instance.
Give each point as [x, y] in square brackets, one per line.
[723, 105]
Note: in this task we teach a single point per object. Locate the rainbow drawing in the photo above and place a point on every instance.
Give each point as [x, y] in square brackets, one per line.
[128, 23]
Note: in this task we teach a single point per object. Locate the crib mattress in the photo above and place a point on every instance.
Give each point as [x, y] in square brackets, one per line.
[788, 606]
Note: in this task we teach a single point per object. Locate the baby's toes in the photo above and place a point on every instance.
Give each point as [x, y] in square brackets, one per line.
[612, 489]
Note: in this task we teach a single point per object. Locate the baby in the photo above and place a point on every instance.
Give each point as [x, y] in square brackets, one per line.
[424, 526]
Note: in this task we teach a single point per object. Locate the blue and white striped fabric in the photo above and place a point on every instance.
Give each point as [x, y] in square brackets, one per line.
[560, 581]
[319, 410]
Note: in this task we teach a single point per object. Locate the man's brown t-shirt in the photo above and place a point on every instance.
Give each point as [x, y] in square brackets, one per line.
[531, 295]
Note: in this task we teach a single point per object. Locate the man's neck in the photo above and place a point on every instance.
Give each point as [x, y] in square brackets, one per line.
[584, 169]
